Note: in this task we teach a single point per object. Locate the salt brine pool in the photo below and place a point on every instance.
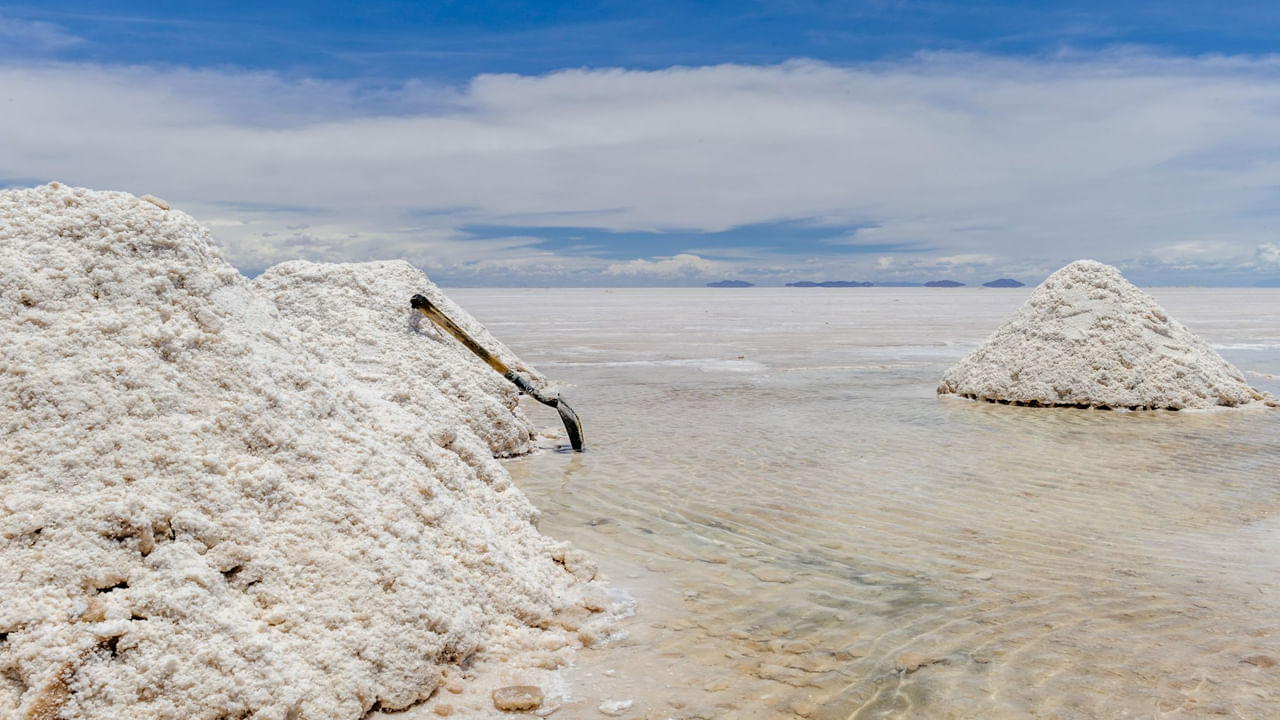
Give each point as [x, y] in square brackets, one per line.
[809, 531]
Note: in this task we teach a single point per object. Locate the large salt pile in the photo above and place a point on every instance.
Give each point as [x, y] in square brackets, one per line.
[200, 516]
[358, 315]
[1087, 337]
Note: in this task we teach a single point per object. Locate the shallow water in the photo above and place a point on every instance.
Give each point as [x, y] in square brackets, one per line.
[811, 532]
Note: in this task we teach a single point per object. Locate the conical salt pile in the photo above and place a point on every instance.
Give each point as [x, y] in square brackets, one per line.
[1088, 338]
[202, 516]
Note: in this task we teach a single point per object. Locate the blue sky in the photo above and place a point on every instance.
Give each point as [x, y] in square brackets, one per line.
[453, 41]
[508, 143]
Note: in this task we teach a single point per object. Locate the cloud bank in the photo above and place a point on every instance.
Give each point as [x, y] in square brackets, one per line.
[970, 166]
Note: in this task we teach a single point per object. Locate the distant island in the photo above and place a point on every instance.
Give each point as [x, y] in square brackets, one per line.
[1001, 283]
[730, 283]
[852, 283]
[829, 283]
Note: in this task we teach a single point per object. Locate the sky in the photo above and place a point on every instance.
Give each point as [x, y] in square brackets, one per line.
[672, 143]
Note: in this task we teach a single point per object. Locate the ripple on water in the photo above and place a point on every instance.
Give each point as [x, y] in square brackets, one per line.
[825, 538]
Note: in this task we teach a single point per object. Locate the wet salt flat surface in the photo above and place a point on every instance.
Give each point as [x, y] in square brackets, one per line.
[809, 531]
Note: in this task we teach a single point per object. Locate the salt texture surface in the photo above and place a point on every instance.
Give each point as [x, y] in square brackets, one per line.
[358, 315]
[1088, 337]
[202, 516]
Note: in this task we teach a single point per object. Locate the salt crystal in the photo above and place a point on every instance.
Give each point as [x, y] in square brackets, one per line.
[517, 698]
[614, 708]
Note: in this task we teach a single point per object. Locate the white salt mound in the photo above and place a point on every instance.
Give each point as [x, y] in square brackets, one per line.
[1087, 337]
[358, 315]
[203, 516]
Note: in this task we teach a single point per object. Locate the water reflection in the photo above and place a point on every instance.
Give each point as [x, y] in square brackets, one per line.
[820, 536]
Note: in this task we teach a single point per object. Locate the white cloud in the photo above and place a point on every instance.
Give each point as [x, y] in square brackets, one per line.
[952, 261]
[1197, 254]
[1025, 163]
[682, 265]
[25, 37]
[1267, 256]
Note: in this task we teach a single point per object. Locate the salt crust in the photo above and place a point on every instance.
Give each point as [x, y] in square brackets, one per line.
[1088, 337]
[358, 316]
[202, 516]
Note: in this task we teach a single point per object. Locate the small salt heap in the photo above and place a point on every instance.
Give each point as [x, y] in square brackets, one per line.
[204, 515]
[1089, 338]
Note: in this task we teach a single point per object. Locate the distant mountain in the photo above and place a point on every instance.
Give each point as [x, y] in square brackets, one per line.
[943, 283]
[829, 283]
[1003, 282]
[1273, 283]
[896, 283]
[730, 283]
